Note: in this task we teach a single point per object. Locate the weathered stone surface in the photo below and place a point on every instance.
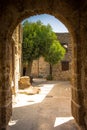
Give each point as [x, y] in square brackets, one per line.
[77, 95]
[6, 112]
[16, 56]
[73, 14]
[77, 112]
[41, 67]
[24, 82]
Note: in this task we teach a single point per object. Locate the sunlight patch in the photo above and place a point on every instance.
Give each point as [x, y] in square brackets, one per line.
[11, 123]
[24, 100]
[62, 120]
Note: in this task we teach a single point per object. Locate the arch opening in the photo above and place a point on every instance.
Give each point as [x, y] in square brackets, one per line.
[63, 118]
[16, 12]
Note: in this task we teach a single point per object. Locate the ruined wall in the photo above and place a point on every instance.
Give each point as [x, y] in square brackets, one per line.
[41, 68]
[16, 55]
[63, 70]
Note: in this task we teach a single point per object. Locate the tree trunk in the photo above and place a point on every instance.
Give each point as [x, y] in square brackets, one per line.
[38, 67]
[50, 70]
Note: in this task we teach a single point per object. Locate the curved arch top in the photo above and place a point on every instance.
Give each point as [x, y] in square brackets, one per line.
[16, 11]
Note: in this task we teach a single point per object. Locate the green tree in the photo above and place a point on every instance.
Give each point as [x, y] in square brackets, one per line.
[37, 39]
[55, 53]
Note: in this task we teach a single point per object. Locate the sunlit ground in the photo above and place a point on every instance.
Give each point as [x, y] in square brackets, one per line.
[13, 122]
[23, 99]
[62, 120]
[58, 121]
[50, 117]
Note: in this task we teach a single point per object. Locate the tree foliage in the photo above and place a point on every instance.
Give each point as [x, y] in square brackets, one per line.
[40, 40]
[36, 39]
[55, 53]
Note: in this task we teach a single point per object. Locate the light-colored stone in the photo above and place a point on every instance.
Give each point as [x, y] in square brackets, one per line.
[30, 91]
[24, 82]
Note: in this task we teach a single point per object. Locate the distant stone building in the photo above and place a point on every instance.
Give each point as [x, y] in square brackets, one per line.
[62, 70]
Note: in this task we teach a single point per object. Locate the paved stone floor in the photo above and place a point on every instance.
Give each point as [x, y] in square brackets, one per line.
[48, 110]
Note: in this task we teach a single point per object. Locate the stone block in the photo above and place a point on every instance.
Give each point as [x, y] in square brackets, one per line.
[24, 82]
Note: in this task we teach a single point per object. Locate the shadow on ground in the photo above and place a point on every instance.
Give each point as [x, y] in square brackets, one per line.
[52, 112]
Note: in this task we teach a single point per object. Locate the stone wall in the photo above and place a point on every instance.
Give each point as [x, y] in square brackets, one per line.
[10, 69]
[74, 15]
[41, 68]
[16, 56]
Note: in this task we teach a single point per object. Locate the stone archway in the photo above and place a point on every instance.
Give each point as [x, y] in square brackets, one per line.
[74, 15]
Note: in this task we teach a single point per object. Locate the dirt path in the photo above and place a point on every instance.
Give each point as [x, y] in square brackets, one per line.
[48, 110]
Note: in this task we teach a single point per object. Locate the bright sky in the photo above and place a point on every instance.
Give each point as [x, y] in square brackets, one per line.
[49, 19]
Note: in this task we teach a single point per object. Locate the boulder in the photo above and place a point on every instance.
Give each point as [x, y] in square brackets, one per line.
[24, 82]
